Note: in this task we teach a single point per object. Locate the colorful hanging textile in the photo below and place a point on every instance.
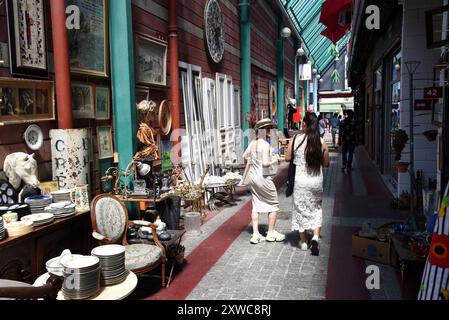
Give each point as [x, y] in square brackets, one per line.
[435, 280]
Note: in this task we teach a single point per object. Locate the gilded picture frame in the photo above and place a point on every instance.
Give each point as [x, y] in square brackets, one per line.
[27, 38]
[83, 101]
[150, 61]
[104, 142]
[89, 51]
[23, 101]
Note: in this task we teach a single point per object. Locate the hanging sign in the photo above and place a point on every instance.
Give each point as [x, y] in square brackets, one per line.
[433, 93]
[423, 105]
[305, 72]
[70, 151]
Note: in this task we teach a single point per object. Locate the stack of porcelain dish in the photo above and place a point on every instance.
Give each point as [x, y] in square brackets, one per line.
[81, 276]
[38, 203]
[55, 267]
[62, 196]
[112, 262]
[39, 219]
[2, 229]
[19, 228]
[62, 209]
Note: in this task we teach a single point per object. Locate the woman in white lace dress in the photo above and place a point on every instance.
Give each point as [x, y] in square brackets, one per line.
[309, 153]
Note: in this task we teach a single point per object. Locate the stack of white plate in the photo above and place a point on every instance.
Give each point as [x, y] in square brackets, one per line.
[2, 229]
[112, 262]
[81, 276]
[62, 209]
[19, 228]
[39, 219]
[61, 196]
[38, 203]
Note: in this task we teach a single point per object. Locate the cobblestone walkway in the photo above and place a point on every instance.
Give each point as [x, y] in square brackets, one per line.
[273, 271]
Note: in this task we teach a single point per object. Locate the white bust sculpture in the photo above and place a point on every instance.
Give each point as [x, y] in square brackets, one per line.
[20, 167]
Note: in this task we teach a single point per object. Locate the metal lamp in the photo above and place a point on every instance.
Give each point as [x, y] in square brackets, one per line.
[286, 32]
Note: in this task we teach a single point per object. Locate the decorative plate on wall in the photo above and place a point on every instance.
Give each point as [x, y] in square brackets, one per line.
[34, 137]
[8, 195]
[214, 30]
[165, 118]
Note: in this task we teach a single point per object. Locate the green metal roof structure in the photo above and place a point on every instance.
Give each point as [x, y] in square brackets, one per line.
[305, 15]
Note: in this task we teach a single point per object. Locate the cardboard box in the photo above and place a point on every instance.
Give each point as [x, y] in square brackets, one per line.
[375, 250]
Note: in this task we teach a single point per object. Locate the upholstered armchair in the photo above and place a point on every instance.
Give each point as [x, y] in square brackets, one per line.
[110, 223]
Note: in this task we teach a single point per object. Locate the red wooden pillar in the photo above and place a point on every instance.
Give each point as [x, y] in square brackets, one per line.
[62, 68]
[174, 68]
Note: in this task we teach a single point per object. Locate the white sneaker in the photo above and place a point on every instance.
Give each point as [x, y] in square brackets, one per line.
[257, 238]
[275, 236]
[304, 246]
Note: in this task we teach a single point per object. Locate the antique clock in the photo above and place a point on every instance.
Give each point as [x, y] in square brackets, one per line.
[214, 30]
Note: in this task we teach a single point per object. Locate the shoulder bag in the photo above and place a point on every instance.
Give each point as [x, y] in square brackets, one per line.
[245, 180]
[292, 170]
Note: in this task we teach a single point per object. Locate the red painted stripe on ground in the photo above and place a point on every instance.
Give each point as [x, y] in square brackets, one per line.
[345, 277]
[204, 257]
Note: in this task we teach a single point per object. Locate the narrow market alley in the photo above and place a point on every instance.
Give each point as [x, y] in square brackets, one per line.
[223, 265]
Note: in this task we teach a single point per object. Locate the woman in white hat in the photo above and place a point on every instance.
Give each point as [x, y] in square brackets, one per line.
[263, 190]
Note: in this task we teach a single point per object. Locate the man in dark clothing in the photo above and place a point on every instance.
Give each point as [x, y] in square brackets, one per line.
[348, 139]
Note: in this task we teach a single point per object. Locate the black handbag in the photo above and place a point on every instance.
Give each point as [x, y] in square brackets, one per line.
[292, 171]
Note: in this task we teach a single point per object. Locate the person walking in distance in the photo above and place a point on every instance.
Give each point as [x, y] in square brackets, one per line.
[322, 125]
[263, 190]
[335, 124]
[310, 154]
[347, 139]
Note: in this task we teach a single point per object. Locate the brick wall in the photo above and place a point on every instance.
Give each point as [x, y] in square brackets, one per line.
[151, 17]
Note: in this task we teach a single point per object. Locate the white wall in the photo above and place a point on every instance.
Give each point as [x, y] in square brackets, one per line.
[414, 48]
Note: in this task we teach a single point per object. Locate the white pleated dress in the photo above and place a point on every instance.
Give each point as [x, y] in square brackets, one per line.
[263, 190]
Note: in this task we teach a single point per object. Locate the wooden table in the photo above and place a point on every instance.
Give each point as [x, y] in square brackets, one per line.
[23, 258]
[117, 292]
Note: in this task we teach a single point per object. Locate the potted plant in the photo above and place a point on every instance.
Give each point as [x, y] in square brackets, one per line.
[400, 139]
[431, 135]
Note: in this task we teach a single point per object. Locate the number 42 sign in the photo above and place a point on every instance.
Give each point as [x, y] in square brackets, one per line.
[433, 93]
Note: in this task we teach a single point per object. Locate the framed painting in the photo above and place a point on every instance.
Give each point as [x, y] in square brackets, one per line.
[48, 187]
[166, 155]
[273, 101]
[26, 101]
[28, 46]
[89, 45]
[151, 61]
[83, 101]
[104, 140]
[102, 103]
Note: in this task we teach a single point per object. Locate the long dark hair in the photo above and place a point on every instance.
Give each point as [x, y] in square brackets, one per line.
[313, 152]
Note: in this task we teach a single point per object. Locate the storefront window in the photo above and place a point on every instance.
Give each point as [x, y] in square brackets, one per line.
[395, 65]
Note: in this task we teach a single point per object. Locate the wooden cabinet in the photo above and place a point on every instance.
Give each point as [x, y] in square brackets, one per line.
[23, 258]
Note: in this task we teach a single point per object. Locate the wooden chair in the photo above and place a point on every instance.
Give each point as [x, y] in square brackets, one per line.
[24, 291]
[110, 224]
